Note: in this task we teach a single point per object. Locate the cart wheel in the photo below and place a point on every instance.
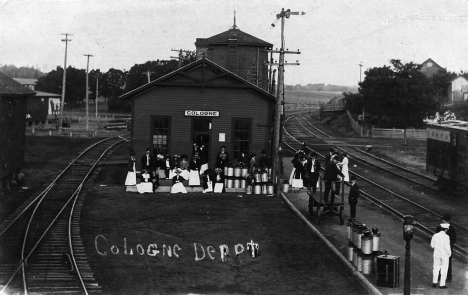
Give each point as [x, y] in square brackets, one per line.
[341, 215]
[317, 216]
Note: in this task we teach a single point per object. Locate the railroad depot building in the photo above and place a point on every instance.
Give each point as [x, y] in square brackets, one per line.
[13, 105]
[201, 103]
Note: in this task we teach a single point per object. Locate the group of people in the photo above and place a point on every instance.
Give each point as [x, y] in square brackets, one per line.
[306, 173]
[179, 169]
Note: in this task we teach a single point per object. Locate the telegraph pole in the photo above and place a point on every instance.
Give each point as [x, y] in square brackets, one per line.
[280, 94]
[181, 56]
[87, 90]
[148, 73]
[360, 71]
[97, 93]
[62, 101]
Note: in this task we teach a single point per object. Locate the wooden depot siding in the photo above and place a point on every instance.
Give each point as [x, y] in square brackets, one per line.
[173, 101]
[12, 134]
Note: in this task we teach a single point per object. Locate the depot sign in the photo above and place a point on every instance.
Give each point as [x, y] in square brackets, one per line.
[189, 113]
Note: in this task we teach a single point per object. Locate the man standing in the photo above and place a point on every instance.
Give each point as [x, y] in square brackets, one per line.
[147, 161]
[453, 239]
[313, 169]
[441, 244]
[264, 161]
[353, 196]
[329, 156]
[329, 177]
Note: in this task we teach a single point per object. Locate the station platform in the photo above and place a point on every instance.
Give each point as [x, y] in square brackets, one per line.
[391, 240]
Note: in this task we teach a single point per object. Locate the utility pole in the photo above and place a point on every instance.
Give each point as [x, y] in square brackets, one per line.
[87, 90]
[97, 93]
[360, 71]
[363, 110]
[181, 57]
[279, 94]
[62, 101]
[148, 73]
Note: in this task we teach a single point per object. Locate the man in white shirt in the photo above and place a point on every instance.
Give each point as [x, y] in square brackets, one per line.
[441, 244]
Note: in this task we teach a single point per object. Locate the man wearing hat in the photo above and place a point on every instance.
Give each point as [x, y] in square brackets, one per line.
[440, 242]
[264, 161]
[147, 161]
[313, 170]
[353, 196]
[453, 239]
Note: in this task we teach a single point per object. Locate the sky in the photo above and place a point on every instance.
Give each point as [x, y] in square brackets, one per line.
[333, 36]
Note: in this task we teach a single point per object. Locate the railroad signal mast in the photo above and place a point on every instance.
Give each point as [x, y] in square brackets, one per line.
[181, 57]
[87, 90]
[280, 92]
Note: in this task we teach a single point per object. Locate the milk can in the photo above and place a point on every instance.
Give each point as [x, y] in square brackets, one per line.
[244, 171]
[349, 223]
[270, 189]
[258, 175]
[285, 187]
[366, 242]
[265, 175]
[350, 252]
[237, 172]
[359, 261]
[243, 183]
[225, 170]
[375, 239]
[269, 172]
[264, 189]
[258, 189]
[355, 256]
[230, 171]
[360, 229]
[229, 183]
[354, 235]
[367, 264]
[248, 190]
[236, 183]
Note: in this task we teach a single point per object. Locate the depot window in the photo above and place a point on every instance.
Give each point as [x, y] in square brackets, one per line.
[161, 134]
[241, 136]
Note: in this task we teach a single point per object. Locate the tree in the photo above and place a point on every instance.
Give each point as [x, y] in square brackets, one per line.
[399, 96]
[353, 102]
[440, 82]
[75, 84]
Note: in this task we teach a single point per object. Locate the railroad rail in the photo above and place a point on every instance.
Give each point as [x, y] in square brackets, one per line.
[41, 239]
[400, 199]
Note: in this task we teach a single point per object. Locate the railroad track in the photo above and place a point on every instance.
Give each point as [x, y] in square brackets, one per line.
[405, 194]
[42, 251]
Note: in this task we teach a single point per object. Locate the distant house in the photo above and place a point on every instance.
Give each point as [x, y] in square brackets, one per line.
[458, 89]
[429, 68]
[30, 83]
[13, 97]
[42, 104]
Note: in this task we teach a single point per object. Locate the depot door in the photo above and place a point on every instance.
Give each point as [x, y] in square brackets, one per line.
[201, 130]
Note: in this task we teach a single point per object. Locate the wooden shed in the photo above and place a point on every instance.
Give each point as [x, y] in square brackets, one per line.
[13, 101]
[201, 103]
[41, 105]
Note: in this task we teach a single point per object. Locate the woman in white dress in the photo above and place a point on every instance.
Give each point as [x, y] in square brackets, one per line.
[177, 183]
[194, 167]
[344, 167]
[146, 185]
[131, 174]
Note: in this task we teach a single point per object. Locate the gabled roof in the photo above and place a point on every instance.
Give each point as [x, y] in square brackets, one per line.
[242, 38]
[26, 81]
[194, 82]
[43, 94]
[430, 60]
[460, 76]
[9, 87]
